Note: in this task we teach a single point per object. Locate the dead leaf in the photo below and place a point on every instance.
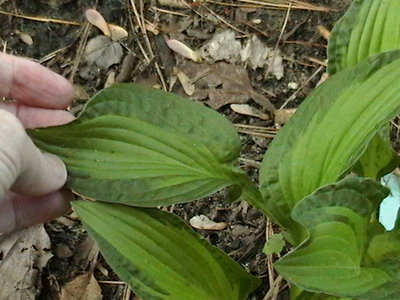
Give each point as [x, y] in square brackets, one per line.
[26, 38]
[258, 55]
[248, 110]
[283, 115]
[186, 82]
[220, 83]
[173, 3]
[183, 50]
[96, 19]
[117, 32]
[202, 222]
[103, 52]
[223, 46]
[24, 255]
[80, 93]
[83, 287]
[110, 79]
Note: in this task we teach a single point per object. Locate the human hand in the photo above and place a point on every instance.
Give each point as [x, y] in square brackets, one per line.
[30, 181]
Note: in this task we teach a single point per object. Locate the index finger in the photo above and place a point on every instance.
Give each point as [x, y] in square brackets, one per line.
[33, 84]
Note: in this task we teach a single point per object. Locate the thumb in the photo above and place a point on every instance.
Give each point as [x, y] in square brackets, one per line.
[24, 168]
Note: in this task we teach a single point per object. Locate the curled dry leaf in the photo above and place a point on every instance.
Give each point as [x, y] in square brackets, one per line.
[202, 222]
[23, 36]
[117, 33]
[96, 19]
[183, 50]
[283, 115]
[186, 82]
[103, 52]
[245, 109]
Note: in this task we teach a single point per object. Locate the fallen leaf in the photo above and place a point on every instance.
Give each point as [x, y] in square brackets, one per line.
[82, 287]
[117, 32]
[103, 52]
[173, 3]
[110, 79]
[183, 50]
[96, 19]
[186, 82]
[223, 46]
[220, 83]
[245, 109]
[23, 36]
[80, 93]
[24, 254]
[202, 222]
[283, 115]
[257, 55]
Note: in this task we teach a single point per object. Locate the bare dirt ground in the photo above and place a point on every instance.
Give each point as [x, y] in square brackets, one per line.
[56, 34]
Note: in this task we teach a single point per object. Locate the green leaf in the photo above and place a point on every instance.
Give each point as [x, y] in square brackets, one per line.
[274, 244]
[367, 28]
[379, 158]
[328, 134]
[338, 258]
[145, 147]
[160, 257]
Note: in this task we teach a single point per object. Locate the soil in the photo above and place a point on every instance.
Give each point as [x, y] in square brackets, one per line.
[58, 46]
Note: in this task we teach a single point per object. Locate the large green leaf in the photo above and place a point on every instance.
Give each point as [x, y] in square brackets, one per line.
[160, 257]
[328, 134]
[345, 255]
[368, 27]
[145, 147]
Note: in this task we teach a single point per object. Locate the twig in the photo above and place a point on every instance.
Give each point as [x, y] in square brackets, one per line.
[293, 96]
[40, 19]
[272, 62]
[80, 51]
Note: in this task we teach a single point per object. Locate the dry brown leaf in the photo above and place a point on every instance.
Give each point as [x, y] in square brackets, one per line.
[173, 3]
[223, 46]
[117, 32]
[103, 52]
[26, 38]
[283, 115]
[220, 83]
[186, 82]
[245, 109]
[83, 287]
[96, 19]
[80, 93]
[183, 50]
[202, 222]
[24, 255]
[110, 79]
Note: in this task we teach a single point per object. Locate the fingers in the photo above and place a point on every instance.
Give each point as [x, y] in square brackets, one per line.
[17, 211]
[23, 167]
[34, 117]
[33, 84]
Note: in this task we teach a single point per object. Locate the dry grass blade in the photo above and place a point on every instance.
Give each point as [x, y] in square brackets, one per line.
[284, 4]
[40, 19]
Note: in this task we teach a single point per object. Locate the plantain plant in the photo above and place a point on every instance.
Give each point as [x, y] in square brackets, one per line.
[134, 148]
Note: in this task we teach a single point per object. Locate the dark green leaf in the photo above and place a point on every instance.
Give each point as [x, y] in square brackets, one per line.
[379, 158]
[328, 134]
[160, 257]
[336, 258]
[367, 28]
[145, 147]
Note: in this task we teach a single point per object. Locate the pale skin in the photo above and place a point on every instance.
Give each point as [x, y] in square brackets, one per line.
[30, 181]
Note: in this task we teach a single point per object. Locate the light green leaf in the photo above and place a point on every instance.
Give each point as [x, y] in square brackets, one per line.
[274, 244]
[334, 259]
[328, 134]
[160, 257]
[145, 147]
[379, 158]
[367, 28]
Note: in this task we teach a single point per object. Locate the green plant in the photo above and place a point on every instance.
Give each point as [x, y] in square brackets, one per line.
[134, 147]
